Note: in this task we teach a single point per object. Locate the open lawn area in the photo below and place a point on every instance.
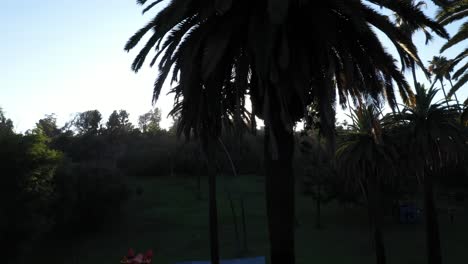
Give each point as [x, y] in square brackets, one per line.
[169, 218]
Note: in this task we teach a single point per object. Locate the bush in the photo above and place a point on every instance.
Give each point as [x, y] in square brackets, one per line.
[87, 197]
[27, 166]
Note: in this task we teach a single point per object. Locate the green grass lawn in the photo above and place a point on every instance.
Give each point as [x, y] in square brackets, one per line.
[169, 219]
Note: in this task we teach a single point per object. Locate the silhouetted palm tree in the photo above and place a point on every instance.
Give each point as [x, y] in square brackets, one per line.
[284, 55]
[433, 137]
[441, 68]
[367, 157]
[456, 11]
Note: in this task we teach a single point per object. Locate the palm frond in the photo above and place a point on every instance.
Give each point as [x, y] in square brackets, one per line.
[150, 6]
[460, 36]
[460, 83]
[460, 71]
[455, 11]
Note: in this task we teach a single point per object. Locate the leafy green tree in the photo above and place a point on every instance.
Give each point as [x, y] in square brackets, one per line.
[6, 125]
[88, 122]
[48, 126]
[218, 50]
[149, 122]
[367, 156]
[28, 166]
[173, 129]
[119, 123]
[433, 137]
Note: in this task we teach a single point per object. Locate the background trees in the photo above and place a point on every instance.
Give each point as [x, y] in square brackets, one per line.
[149, 122]
[119, 123]
[88, 122]
[6, 125]
[27, 169]
[67, 190]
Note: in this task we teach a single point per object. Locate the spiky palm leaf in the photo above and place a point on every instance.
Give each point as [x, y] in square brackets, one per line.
[456, 11]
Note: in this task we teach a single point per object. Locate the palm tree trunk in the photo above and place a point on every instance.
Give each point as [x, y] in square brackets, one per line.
[375, 212]
[213, 207]
[455, 94]
[199, 192]
[279, 149]
[244, 227]
[443, 90]
[434, 255]
[433, 83]
[234, 218]
[318, 201]
[253, 121]
[413, 71]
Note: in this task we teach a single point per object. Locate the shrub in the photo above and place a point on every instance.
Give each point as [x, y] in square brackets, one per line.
[27, 167]
[87, 196]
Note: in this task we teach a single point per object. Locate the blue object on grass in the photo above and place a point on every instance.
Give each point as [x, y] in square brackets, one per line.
[409, 214]
[257, 260]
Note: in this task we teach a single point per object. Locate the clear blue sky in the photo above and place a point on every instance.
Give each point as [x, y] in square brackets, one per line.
[64, 57]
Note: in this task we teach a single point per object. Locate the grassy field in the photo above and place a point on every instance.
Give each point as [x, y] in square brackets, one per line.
[169, 218]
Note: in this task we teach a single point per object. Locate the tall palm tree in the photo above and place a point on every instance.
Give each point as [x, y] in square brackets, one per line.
[281, 55]
[456, 11]
[367, 151]
[441, 68]
[433, 137]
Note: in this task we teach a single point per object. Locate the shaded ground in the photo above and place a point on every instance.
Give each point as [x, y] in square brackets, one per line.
[169, 218]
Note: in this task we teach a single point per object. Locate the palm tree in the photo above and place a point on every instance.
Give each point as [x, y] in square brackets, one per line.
[441, 68]
[284, 59]
[367, 151]
[456, 11]
[433, 137]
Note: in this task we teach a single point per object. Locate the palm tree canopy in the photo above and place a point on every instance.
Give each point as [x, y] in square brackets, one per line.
[296, 52]
[409, 28]
[367, 149]
[432, 130]
[440, 67]
[456, 11]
